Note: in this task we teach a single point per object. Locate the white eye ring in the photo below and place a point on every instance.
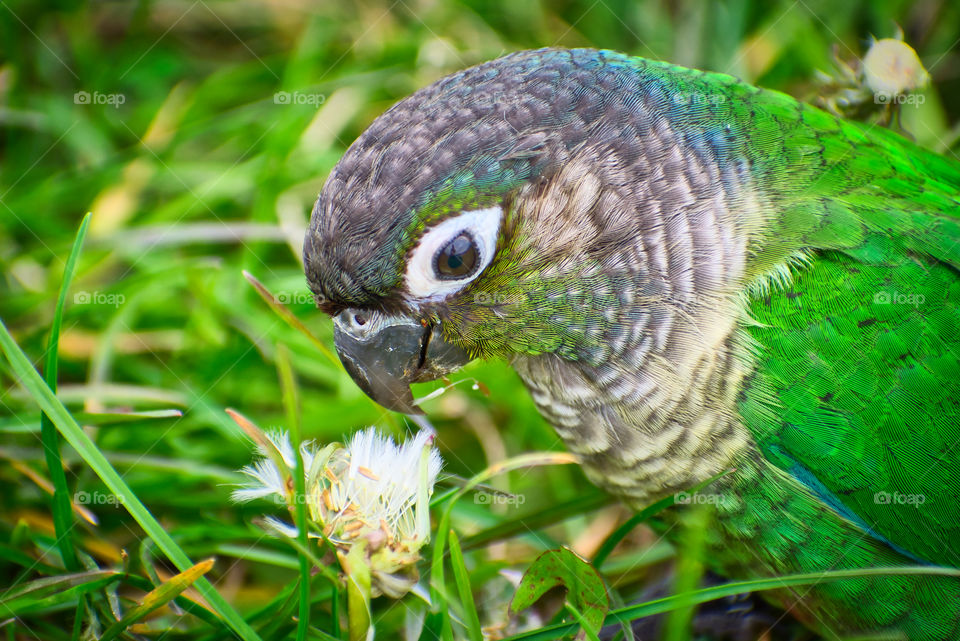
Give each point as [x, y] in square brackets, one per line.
[483, 226]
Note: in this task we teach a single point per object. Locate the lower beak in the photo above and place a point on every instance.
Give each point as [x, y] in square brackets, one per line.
[385, 354]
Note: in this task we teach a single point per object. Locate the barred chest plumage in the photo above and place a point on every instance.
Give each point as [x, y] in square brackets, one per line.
[649, 430]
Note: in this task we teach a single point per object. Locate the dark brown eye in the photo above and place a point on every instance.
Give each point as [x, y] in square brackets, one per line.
[458, 258]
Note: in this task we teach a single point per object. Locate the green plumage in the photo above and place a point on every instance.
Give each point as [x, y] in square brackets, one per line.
[693, 276]
[856, 388]
[855, 395]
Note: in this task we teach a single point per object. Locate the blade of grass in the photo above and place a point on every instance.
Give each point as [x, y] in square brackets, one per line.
[578, 506]
[146, 563]
[47, 487]
[182, 602]
[112, 418]
[158, 597]
[288, 317]
[618, 535]
[688, 570]
[581, 621]
[322, 568]
[49, 592]
[462, 578]
[281, 310]
[288, 386]
[255, 554]
[78, 618]
[10, 554]
[42, 588]
[669, 603]
[62, 511]
[323, 636]
[437, 580]
[87, 449]
[625, 528]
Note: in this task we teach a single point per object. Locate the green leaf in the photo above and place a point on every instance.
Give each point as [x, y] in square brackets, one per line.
[323, 636]
[62, 510]
[462, 578]
[124, 416]
[77, 438]
[43, 593]
[40, 588]
[158, 597]
[563, 568]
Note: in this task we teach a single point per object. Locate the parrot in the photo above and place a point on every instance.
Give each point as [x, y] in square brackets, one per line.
[701, 283]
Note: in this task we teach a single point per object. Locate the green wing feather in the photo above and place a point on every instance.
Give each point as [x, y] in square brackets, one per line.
[854, 402]
[862, 361]
[860, 355]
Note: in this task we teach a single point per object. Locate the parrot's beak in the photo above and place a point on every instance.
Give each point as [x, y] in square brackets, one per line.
[385, 354]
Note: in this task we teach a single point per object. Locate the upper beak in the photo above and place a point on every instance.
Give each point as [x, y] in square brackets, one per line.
[385, 354]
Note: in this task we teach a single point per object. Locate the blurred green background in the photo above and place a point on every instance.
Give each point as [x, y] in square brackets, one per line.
[198, 133]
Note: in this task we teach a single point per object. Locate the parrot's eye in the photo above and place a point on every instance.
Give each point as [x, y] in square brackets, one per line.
[458, 258]
[452, 253]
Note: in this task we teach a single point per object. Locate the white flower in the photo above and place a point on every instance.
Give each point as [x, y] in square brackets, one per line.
[371, 492]
[379, 484]
[268, 480]
[267, 477]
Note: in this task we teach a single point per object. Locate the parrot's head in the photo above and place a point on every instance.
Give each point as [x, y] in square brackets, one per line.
[466, 222]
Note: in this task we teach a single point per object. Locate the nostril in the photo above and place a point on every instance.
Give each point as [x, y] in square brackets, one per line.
[359, 320]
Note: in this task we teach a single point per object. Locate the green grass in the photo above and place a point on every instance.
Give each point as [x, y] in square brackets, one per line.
[200, 174]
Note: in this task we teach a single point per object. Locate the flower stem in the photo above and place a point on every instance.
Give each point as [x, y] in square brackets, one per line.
[357, 569]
